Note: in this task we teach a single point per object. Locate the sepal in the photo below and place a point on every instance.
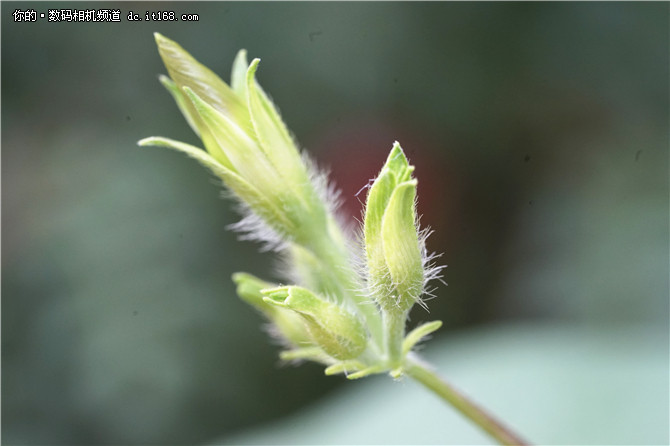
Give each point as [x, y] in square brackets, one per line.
[415, 336]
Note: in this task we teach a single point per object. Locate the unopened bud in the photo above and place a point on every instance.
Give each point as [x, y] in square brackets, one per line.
[289, 325]
[339, 333]
[392, 243]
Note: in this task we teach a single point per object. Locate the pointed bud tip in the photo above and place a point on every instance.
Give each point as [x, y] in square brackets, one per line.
[398, 164]
[160, 38]
[240, 277]
[253, 66]
[396, 150]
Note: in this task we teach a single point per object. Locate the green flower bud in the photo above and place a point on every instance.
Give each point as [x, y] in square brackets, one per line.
[339, 333]
[393, 247]
[289, 325]
[242, 131]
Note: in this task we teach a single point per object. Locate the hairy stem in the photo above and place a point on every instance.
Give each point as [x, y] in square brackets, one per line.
[394, 326]
[469, 409]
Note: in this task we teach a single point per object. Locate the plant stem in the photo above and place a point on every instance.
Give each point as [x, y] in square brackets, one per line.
[394, 327]
[468, 408]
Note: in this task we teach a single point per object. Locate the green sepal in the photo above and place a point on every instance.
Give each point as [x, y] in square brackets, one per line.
[339, 333]
[305, 353]
[378, 198]
[402, 251]
[241, 151]
[415, 336]
[238, 76]
[193, 120]
[372, 370]
[184, 106]
[243, 189]
[198, 154]
[268, 200]
[186, 71]
[344, 367]
[276, 142]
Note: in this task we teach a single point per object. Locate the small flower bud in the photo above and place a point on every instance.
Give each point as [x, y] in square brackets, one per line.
[339, 333]
[393, 247]
[289, 325]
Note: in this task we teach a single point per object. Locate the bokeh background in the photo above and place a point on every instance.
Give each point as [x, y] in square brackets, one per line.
[540, 137]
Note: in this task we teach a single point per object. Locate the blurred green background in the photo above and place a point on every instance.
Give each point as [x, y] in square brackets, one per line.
[540, 136]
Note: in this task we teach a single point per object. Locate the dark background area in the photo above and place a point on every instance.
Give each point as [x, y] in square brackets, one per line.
[540, 138]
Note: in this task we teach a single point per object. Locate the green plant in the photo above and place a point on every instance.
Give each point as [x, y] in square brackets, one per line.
[349, 318]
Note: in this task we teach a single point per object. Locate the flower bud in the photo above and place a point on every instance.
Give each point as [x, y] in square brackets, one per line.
[289, 325]
[243, 132]
[393, 247]
[339, 333]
